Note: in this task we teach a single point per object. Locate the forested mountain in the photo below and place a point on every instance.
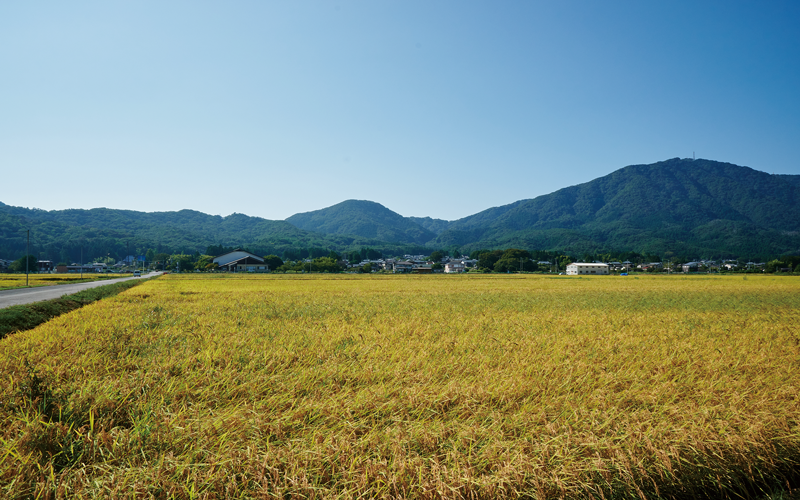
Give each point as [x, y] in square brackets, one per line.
[791, 179]
[698, 208]
[687, 207]
[60, 234]
[362, 218]
[433, 225]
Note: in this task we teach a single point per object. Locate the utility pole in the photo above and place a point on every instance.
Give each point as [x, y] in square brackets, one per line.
[81, 261]
[27, 258]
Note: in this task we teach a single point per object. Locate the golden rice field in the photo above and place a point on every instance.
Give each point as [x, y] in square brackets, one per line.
[334, 386]
[18, 280]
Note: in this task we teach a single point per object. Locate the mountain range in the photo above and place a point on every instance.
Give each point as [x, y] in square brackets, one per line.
[684, 206]
[681, 205]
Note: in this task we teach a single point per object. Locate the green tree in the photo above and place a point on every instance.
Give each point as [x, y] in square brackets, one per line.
[273, 261]
[287, 266]
[564, 261]
[182, 261]
[437, 256]
[369, 253]
[291, 254]
[506, 264]
[205, 263]
[217, 250]
[773, 266]
[516, 253]
[316, 253]
[487, 259]
[366, 268]
[325, 265]
[512, 259]
[19, 265]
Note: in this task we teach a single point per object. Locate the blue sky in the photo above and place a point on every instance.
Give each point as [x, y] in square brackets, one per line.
[437, 109]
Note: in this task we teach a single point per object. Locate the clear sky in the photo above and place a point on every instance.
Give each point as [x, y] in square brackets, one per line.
[438, 109]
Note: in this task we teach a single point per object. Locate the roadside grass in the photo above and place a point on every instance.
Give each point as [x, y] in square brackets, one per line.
[13, 281]
[27, 316]
[475, 386]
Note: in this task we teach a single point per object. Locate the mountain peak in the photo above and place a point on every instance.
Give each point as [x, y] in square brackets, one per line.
[363, 218]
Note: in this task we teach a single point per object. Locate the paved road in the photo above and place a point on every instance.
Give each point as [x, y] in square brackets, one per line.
[28, 295]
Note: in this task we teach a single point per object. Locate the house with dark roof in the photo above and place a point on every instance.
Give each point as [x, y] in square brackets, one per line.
[403, 266]
[239, 261]
[691, 267]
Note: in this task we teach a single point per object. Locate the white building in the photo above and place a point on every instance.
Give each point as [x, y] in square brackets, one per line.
[587, 268]
[455, 266]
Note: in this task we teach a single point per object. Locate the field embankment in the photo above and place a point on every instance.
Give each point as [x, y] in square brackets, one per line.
[417, 387]
[27, 316]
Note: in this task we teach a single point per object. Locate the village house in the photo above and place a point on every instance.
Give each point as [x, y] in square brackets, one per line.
[375, 263]
[422, 269]
[455, 266]
[467, 262]
[241, 262]
[691, 267]
[594, 268]
[652, 265]
[403, 266]
[94, 267]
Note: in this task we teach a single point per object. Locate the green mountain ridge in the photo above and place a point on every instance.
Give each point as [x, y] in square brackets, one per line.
[699, 208]
[694, 206]
[365, 219]
[433, 225]
[60, 234]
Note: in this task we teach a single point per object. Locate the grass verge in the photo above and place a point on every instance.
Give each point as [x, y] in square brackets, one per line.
[27, 316]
